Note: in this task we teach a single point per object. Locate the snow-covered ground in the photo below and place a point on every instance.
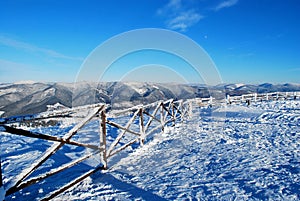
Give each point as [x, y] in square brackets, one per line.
[222, 153]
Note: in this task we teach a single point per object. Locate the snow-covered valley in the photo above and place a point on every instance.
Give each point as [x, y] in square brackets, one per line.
[233, 152]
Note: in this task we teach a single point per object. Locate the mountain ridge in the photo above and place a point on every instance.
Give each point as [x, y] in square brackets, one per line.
[33, 97]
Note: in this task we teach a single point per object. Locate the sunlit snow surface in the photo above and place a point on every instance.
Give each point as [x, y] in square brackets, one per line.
[221, 153]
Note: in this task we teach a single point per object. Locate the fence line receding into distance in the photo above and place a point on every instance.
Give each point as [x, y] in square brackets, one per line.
[151, 118]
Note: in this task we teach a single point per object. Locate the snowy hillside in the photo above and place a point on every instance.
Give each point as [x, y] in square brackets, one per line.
[233, 152]
[30, 98]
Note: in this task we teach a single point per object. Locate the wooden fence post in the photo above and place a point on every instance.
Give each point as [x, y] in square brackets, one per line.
[182, 110]
[228, 99]
[173, 112]
[1, 182]
[102, 131]
[162, 121]
[142, 128]
[190, 108]
[210, 100]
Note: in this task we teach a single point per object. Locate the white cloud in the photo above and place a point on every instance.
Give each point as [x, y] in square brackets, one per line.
[225, 4]
[174, 4]
[184, 20]
[32, 48]
[178, 16]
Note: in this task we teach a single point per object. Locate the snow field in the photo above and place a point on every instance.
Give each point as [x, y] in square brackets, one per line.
[230, 152]
[251, 154]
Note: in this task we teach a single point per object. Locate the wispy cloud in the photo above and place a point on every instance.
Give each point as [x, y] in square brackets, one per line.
[172, 6]
[183, 21]
[32, 48]
[225, 4]
[178, 16]
[182, 14]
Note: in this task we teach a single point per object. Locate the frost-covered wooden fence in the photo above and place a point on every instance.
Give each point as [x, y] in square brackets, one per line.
[247, 98]
[22, 181]
[150, 118]
[255, 97]
[162, 112]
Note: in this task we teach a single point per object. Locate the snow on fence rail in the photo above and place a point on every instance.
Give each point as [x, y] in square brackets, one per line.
[161, 112]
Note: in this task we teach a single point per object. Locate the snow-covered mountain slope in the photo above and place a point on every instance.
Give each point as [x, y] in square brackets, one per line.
[20, 99]
[236, 152]
[30, 97]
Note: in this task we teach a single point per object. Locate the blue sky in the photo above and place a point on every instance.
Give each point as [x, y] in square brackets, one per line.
[250, 41]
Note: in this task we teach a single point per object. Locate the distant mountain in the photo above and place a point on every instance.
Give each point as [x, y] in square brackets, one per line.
[19, 99]
[239, 89]
[30, 97]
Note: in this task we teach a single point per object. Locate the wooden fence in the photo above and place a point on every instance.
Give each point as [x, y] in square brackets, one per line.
[163, 113]
[151, 118]
[256, 97]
